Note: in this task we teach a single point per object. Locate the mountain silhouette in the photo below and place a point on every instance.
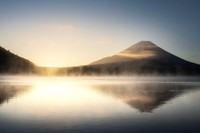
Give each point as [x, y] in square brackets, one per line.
[14, 64]
[143, 58]
[147, 58]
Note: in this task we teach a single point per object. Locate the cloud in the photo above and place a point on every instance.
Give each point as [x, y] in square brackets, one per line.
[143, 54]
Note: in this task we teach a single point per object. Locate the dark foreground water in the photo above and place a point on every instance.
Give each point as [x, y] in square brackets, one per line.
[99, 105]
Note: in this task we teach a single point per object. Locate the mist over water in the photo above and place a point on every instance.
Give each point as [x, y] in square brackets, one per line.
[99, 104]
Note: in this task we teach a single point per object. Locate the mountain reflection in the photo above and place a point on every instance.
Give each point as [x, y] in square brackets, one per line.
[9, 91]
[146, 96]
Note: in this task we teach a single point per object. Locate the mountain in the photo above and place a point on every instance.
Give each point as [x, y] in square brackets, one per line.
[139, 51]
[14, 64]
[142, 58]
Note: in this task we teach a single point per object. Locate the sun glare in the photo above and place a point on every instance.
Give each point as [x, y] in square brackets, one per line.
[55, 91]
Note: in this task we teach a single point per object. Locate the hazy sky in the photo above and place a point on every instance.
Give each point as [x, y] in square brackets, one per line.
[77, 32]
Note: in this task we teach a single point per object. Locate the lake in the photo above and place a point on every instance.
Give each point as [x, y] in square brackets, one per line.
[99, 104]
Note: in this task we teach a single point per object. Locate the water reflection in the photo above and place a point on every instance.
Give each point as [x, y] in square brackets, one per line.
[97, 105]
[146, 96]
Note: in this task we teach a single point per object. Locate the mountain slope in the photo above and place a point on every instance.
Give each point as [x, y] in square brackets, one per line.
[143, 58]
[13, 64]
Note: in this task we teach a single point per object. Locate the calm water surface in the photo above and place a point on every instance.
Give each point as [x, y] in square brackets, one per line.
[99, 104]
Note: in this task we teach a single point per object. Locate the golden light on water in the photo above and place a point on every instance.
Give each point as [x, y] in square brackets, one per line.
[55, 98]
[60, 91]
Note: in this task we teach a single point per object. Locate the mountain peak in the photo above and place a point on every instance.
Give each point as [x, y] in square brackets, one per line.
[138, 51]
[141, 49]
[143, 44]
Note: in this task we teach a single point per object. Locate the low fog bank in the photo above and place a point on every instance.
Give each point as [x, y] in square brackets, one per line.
[32, 79]
[108, 71]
